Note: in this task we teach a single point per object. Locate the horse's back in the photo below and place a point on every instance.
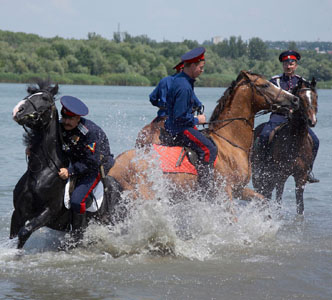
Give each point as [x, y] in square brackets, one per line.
[149, 134]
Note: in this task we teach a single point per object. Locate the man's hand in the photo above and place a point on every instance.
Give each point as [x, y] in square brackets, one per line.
[64, 174]
[201, 119]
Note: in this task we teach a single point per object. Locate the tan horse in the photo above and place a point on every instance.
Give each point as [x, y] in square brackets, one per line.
[231, 127]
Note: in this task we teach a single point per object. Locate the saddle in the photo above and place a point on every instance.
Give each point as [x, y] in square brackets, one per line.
[259, 129]
[275, 131]
[174, 157]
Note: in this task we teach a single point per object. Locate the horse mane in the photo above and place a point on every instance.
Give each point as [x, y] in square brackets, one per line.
[226, 97]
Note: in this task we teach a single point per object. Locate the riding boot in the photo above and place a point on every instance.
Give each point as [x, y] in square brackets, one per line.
[311, 178]
[206, 181]
[79, 224]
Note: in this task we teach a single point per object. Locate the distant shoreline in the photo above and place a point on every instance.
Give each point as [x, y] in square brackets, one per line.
[118, 80]
[141, 61]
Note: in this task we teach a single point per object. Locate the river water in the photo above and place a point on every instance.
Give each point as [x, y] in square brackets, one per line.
[188, 251]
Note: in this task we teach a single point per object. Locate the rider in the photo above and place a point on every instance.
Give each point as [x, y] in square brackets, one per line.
[87, 147]
[181, 123]
[159, 94]
[287, 81]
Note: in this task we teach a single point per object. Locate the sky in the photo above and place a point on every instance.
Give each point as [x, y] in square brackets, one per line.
[172, 20]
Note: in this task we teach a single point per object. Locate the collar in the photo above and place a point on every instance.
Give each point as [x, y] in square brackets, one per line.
[288, 77]
[185, 75]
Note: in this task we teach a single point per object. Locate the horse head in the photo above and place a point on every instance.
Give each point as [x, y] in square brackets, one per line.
[38, 107]
[267, 95]
[307, 93]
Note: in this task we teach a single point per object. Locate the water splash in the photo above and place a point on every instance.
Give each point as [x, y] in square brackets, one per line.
[192, 228]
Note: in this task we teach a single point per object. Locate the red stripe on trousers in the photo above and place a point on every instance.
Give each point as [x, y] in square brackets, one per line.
[82, 205]
[199, 143]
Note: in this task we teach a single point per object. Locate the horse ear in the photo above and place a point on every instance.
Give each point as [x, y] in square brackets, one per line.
[313, 82]
[54, 90]
[241, 75]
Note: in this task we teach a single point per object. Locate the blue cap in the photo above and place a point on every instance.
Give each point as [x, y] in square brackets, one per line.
[289, 55]
[73, 106]
[194, 55]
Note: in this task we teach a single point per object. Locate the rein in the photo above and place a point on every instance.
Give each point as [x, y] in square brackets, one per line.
[247, 121]
[230, 120]
[230, 142]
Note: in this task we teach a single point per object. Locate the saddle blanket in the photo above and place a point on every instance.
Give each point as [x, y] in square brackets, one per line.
[98, 193]
[174, 160]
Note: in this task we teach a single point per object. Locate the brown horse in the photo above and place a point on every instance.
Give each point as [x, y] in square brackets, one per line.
[290, 150]
[231, 128]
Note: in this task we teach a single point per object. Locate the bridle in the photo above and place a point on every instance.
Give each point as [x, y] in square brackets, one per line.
[38, 115]
[303, 90]
[304, 109]
[272, 107]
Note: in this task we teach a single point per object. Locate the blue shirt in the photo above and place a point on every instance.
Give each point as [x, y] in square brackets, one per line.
[158, 97]
[180, 103]
[87, 148]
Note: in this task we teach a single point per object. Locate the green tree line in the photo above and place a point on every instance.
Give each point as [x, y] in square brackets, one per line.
[141, 61]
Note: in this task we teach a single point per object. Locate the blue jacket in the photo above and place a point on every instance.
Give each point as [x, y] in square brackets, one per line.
[180, 103]
[87, 148]
[285, 82]
[158, 97]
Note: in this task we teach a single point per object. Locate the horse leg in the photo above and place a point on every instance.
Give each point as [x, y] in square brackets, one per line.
[263, 186]
[22, 200]
[16, 224]
[299, 189]
[279, 191]
[33, 225]
[230, 207]
[249, 195]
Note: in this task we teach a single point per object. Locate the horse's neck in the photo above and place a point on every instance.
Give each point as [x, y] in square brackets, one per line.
[241, 105]
[49, 145]
[298, 125]
[240, 131]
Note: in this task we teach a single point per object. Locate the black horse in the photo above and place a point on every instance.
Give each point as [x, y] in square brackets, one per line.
[289, 152]
[39, 194]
